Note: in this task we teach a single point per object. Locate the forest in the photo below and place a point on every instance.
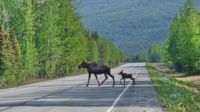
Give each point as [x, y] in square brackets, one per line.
[181, 50]
[46, 39]
[132, 25]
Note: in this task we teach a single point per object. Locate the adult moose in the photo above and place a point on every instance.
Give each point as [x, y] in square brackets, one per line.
[94, 68]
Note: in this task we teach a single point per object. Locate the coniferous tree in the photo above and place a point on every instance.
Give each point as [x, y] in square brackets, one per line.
[10, 58]
[182, 45]
[45, 39]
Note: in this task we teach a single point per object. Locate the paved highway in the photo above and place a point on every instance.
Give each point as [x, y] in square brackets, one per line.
[70, 94]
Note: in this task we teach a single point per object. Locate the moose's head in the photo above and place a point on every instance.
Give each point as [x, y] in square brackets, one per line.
[83, 64]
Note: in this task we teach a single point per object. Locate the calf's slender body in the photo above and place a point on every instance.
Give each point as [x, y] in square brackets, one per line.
[126, 76]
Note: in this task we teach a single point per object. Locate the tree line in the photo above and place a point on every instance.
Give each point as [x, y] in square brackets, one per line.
[181, 50]
[45, 39]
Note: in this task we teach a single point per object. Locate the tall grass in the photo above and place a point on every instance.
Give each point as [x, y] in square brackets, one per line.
[173, 93]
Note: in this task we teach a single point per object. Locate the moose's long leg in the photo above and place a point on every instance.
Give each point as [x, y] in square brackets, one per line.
[106, 77]
[112, 78]
[97, 79]
[89, 75]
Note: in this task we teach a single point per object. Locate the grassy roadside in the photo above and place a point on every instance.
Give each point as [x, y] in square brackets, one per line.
[178, 96]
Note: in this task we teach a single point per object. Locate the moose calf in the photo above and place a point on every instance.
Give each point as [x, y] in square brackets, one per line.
[125, 76]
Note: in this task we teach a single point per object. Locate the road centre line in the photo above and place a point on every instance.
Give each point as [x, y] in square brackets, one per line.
[120, 95]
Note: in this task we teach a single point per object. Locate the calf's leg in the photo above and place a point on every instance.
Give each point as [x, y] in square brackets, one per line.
[124, 82]
[121, 80]
[133, 80]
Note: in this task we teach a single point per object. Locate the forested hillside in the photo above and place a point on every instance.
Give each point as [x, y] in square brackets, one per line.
[181, 50]
[132, 25]
[45, 39]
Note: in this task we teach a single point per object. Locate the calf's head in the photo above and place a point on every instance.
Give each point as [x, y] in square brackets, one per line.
[121, 72]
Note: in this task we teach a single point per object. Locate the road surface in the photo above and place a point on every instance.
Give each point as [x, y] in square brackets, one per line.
[70, 94]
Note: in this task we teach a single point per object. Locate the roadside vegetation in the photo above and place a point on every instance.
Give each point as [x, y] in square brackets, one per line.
[181, 50]
[45, 39]
[177, 96]
[177, 76]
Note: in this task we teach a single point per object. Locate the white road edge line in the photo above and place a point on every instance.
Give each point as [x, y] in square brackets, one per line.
[118, 98]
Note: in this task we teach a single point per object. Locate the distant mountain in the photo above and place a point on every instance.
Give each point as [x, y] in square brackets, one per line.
[132, 25]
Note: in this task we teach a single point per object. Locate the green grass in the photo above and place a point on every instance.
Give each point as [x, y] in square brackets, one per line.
[178, 96]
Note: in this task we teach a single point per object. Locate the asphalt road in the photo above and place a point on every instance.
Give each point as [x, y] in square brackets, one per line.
[70, 94]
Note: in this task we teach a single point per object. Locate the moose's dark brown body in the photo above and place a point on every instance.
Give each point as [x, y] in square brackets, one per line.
[94, 68]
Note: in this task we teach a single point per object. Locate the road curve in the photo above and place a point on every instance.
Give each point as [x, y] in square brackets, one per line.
[70, 94]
